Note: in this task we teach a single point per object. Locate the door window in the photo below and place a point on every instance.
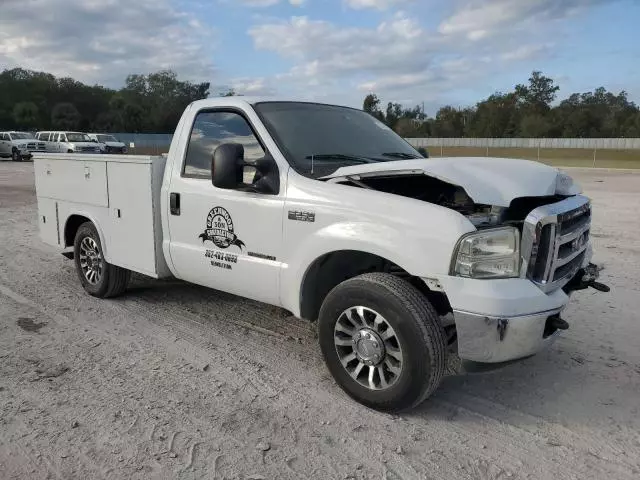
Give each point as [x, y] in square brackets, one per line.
[212, 129]
[3, 136]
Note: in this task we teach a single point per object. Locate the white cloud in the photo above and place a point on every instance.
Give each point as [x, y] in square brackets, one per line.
[320, 47]
[259, 3]
[526, 52]
[477, 19]
[265, 3]
[376, 4]
[253, 86]
[104, 40]
[405, 60]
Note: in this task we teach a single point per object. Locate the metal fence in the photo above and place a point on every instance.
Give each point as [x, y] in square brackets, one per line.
[147, 142]
[161, 141]
[544, 143]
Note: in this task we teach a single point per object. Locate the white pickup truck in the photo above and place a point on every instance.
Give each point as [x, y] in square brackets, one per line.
[410, 266]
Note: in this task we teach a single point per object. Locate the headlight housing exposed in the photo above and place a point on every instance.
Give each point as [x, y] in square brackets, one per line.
[491, 253]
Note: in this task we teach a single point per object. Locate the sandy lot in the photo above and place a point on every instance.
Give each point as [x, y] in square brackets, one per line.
[177, 381]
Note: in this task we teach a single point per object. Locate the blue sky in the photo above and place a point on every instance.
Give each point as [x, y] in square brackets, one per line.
[411, 51]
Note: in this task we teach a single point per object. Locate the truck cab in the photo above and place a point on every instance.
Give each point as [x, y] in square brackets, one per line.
[19, 145]
[411, 266]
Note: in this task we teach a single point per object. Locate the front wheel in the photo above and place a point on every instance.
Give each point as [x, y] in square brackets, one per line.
[382, 341]
[98, 278]
[16, 156]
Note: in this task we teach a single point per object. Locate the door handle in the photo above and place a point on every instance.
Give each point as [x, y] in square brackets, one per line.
[174, 203]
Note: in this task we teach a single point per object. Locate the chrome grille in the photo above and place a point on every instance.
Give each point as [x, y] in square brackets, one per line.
[32, 146]
[556, 242]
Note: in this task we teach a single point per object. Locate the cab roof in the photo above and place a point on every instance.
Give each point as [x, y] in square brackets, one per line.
[244, 101]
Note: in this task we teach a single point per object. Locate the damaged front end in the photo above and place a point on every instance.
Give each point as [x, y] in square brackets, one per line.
[547, 257]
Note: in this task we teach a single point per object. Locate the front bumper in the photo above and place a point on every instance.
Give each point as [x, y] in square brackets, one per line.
[490, 339]
[509, 319]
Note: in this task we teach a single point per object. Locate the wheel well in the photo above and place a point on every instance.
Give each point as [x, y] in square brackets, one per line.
[334, 268]
[71, 228]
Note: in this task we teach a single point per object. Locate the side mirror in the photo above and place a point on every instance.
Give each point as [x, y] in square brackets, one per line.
[229, 170]
[423, 151]
[226, 166]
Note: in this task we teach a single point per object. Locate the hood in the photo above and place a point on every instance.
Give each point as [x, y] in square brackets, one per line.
[23, 142]
[490, 181]
[84, 144]
[114, 144]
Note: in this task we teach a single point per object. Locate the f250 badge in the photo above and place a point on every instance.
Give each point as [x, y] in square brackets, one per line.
[220, 229]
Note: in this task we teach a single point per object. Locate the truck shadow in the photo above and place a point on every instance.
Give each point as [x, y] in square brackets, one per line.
[565, 383]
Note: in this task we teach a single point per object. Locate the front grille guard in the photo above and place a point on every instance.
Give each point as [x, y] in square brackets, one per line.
[543, 237]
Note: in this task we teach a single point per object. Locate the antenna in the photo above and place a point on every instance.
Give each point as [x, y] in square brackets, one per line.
[312, 163]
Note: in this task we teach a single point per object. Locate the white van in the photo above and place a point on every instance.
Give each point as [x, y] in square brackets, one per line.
[68, 142]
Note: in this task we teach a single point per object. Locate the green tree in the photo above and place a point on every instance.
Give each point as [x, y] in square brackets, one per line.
[538, 95]
[65, 116]
[449, 122]
[495, 117]
[134, 118]
[371, 105]
[25, 115]
[534, 125]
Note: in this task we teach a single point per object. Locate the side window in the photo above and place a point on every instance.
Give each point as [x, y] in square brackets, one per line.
[212, 129]
[3, 136]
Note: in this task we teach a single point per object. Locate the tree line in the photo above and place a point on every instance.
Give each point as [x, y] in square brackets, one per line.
[527, 111]
[153, 103]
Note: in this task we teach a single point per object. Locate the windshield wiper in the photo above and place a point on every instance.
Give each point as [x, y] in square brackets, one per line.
[400, 155]
[341, 156]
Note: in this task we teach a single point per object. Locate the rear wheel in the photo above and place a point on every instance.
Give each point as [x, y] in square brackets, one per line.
[98, 278]
[382, 341]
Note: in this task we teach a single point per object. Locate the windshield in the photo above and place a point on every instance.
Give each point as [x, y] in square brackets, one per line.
[20, 136]
[330, 136]
[77, 137]
[106, 138]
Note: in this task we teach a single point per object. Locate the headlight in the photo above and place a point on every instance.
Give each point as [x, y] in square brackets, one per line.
[493, 253]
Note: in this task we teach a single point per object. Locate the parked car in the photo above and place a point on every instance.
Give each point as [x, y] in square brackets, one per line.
[108, 143]
[19, 145]
[411, 266]
[68, 142]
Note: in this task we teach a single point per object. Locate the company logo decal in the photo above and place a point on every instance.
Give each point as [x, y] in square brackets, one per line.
[220, 229]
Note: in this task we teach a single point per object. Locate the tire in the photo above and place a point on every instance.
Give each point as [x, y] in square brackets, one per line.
[111, 280]
[15, 155]
[417, 334]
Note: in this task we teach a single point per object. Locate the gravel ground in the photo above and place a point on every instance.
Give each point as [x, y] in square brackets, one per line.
[177, 381]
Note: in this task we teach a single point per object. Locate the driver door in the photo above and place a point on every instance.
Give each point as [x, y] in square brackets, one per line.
[230, 240]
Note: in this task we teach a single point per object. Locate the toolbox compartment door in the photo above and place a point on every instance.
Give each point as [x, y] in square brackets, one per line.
[79, 181]
[48, 221]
